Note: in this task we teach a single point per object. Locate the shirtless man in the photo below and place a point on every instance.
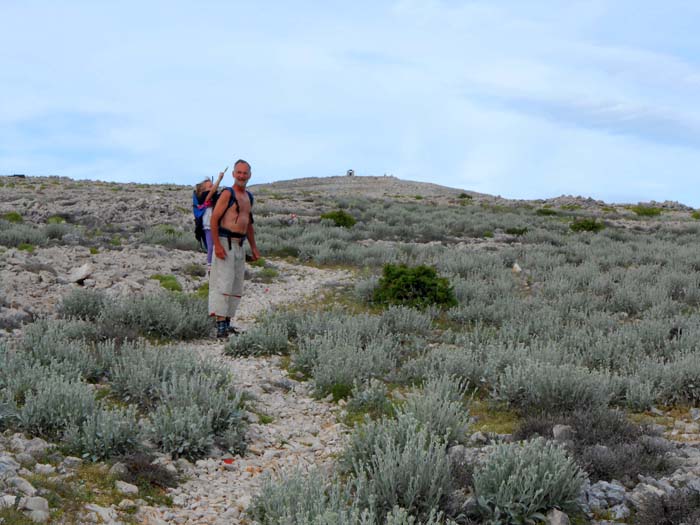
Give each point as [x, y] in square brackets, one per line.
[231, 225]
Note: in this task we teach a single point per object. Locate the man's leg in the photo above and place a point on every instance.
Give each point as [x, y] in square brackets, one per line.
[220, 285]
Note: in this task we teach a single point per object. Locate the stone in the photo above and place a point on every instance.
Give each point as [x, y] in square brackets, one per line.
[36, 503]
[26, 460]
[695, 414]
[8, 501]
[562, 433]
[71, 463]
[105, 514]
[22, 485]
[479, 437]
[8, 465]
[37, 447]
[557, 517]
[126, 488]
[44, 469]
[39, 516]
[78, 275]
[118, 470]
[126, 504]
[620, 512]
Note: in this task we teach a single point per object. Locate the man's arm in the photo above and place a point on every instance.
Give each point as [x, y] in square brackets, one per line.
[219, 210]
[250, 233]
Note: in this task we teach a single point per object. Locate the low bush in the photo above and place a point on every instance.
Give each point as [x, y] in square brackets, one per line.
[104, 433]
[521, 481]
[340, 218]
[679, 508]
[169, 282]
[144, 473]
[181, 431]
[371, 398]
[586, 225]
[195, 270]
[606, 444]
[13, 217]
[55, 404]
[269, 337]
[414, 474]
[14, 234]
[170, 237]
[82, 303]
[516, 231]
[307, 499]
[546, 212]
[439, 406]
[646, 211]
[534, 387]
[416, 287]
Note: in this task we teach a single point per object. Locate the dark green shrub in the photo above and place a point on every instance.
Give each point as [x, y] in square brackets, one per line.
[464, 196]
[546, 212]
[195, 270]
[340, 218]
[646, 211]
[12, 216]
[416, 287]
[695, 215]
[516, 231]
[169, 282]
[586, 225]
[142, 472]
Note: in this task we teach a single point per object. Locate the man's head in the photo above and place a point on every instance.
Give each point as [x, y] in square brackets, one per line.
[241, 173]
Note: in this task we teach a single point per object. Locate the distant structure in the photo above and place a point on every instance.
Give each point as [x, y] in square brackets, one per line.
[350, 173]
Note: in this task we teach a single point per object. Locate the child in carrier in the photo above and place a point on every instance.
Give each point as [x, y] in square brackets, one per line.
[203, 202]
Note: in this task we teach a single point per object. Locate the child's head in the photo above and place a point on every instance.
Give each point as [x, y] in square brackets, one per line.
[203, 187]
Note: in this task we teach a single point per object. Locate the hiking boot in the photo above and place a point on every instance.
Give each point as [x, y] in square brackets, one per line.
[233, 330]
[221, 329]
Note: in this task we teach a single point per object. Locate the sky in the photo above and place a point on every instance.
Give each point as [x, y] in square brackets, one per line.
[523, 99]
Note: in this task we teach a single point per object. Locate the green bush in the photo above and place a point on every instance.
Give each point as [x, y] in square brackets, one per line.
[182, 431]
[169, 282]
[340, 218]
[56, 219]
[695, 215]
[416, 287]
[516, 231]
[646, 211]
[586, 225]
[546, 212]
[464, 196]
[13, 217]
[195, 270]
[518, 482]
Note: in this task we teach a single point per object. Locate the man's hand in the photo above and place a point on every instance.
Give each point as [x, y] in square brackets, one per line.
[255, 254]
[219, 252]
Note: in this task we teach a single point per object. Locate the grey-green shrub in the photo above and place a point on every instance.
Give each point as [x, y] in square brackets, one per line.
[300, 498]
[522, 481]
[105, 433]
[547, 388]
[414, 475]
[400, 516]
[371, 397]
[14, 234]
[55, 404]
[404, 320]
[208, 394]
[269, 337]
[439, 406]
[170, 237]
[181, 431]
[164, 315]
[82, 303]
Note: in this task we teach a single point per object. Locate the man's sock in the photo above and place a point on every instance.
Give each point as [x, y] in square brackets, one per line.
[221, 328]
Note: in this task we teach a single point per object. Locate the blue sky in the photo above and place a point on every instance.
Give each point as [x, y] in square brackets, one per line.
[522, 99]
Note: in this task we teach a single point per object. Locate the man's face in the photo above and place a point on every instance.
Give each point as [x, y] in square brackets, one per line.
[241, 174]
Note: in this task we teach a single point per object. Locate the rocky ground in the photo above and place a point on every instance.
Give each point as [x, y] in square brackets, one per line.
[290, 428]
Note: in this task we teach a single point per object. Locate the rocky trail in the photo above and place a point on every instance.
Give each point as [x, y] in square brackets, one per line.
[290, 428]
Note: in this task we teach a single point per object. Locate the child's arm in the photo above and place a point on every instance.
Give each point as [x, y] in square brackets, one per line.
[215, 187]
